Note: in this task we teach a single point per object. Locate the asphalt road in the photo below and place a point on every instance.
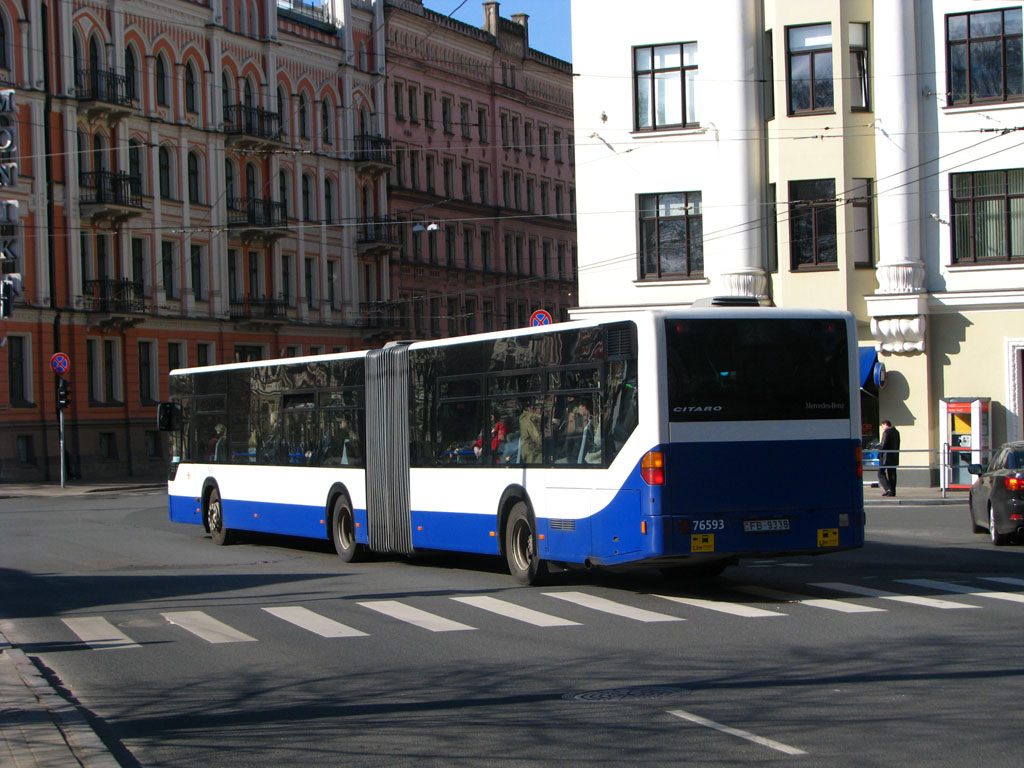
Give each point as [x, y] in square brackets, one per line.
[271, 652]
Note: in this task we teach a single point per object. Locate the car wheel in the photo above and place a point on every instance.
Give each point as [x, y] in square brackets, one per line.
[997, 538]
[975, 528]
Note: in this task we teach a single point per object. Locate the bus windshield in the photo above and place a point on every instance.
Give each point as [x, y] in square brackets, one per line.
[757, 369]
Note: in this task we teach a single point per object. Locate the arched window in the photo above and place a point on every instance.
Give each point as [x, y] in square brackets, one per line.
[326, 113]
[250, 181]
[190, 88]
[225, 95]
[282, 189]
[5, 58]
[99, 153]
[94, 68]
[328, 201]
[303, 130]
[162, 88]
[248, 98]
[80, 151]
[135, 165]
[229, 184]
[307, 213]
[281, 111]
[194, 190]
[131, 73]
[164, 162]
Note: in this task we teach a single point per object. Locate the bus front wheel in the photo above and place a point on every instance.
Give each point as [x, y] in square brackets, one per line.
[343, 531]
[219, 533]
[524, 561]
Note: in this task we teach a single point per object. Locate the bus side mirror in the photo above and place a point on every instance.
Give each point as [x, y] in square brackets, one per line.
[974, 469]
[168, 417]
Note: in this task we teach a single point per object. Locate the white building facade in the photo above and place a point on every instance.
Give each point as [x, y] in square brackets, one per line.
[856, 155]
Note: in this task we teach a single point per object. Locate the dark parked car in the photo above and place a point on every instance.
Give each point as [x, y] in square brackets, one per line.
[997, 496]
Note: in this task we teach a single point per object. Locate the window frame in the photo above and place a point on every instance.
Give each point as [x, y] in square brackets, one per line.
[1005, 197]
[1002, 37]
[687, 216]
[817, 207]
[810, 53]
[651, 74]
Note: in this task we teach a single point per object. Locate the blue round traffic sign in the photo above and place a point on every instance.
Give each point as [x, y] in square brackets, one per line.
[60, 363]
[540, 317]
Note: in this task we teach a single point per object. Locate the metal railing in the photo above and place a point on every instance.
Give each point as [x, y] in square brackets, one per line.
[256, 122]
[320, 12]
[379, 229]
[105, 295]
[110, 187]
[104, 85]
[372, 149]
[261, 309]
[256, 212]
[951, 471]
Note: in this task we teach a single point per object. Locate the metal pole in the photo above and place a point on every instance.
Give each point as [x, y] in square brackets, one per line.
[62, 454]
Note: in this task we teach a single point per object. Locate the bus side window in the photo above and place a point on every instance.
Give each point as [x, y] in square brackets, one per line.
[339, 440]
[460, 426]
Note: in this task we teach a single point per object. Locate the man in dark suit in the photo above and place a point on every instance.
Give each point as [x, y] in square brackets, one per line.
[888, 458]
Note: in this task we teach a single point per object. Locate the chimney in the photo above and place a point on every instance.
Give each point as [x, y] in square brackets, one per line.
[522, 20]
[491, 17]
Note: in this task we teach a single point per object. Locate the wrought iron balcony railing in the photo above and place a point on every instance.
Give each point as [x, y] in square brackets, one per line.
[254, 122]
[377, 230]
[110, 188]
[373, 149]
[259, 309]
[320, 12]
[104, 85]
[255, 212]
[105, 295]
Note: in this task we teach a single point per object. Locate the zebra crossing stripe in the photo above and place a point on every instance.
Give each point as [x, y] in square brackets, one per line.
[513, 611]
[610, 606]
[207, 627]
[828, 604]
[735, 609]
[99, 633]
[313, 622]
[944, 586]
[928, 602]
[1004, 580]
[415, 616]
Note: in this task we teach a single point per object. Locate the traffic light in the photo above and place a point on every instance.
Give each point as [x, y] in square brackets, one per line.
[6, 298]
[63, 394]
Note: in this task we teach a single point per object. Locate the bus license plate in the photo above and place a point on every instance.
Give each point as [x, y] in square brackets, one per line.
[765, 526]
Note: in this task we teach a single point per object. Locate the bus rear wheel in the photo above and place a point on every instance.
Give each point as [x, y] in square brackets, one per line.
[215, 520]
[343, 531]
[524, 561]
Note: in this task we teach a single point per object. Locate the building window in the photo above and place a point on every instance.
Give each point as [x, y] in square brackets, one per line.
[190, 88]
[448, 170]
[303, 122]
[131, 74]
[147, 373]
[428, 109]
[310, 283]
[812, 224]
[328, 201]
[194, 190]
[863, 223]
[558, 146]
[414, 104]
[485, 250]
[161, 82]
[153, 442]
[204, 353]
[542, 140]
[481, 124]
[503, 120]
[139, 266]
[399, 102]
[483, 184]
[528, 137]
[988, 216]
[810, 68]
[168, 269]
[859, 94]
[108, 445]
[664, 78]
[26, 450]
[286, 278]
[176, 357]
[671, 236]
[983, 55]
[164, 163]
[467, 247]
[464, 119]
[307, 214]
[333, 283]
[467, 182]
[19, 385]
[325, 122]
[196, 267]
[446, 114]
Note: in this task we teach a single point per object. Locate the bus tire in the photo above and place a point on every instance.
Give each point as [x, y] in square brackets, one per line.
[524, 561]
[343, 531]
[219, 534]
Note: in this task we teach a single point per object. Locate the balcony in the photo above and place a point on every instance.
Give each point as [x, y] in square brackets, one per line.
[103, 92]
[259, 309]
[251, 127]
[376, 235]
[319, 12]
[114, 297]
[253, 219]
[373, 155]
[109, 196]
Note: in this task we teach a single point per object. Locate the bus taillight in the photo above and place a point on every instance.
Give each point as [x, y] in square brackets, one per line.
[860, 461]
[652, 468]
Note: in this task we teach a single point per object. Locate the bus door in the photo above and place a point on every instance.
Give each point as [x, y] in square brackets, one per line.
[388, 507]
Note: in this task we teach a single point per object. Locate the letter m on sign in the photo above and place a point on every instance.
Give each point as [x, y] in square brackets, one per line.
[7, 100]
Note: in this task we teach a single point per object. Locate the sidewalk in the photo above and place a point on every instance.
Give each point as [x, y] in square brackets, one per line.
[38, 727]
[18, 490]
[904, 496]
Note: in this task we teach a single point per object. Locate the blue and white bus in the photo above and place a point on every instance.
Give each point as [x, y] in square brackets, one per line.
[667, 438]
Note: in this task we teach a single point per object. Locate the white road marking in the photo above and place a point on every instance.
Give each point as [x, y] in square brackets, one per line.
[944, 586]
[313, 622]
[513, 611]
[207, 627]
[609, 606]
[735, 609]
[415, 616]
[100, 633]
[830, 605]
[770, 743]
[928, 602]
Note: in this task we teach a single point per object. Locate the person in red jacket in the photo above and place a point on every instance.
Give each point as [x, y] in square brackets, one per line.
[498, 431]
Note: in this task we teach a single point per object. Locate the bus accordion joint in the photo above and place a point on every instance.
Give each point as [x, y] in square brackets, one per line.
[652, 468]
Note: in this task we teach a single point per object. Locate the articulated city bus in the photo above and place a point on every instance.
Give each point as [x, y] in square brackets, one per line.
[682, 439]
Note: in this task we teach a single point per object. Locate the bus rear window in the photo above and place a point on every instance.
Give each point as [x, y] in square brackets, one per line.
[757, 369]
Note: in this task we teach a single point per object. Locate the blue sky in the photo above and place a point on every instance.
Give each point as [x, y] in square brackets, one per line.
[549, 20]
